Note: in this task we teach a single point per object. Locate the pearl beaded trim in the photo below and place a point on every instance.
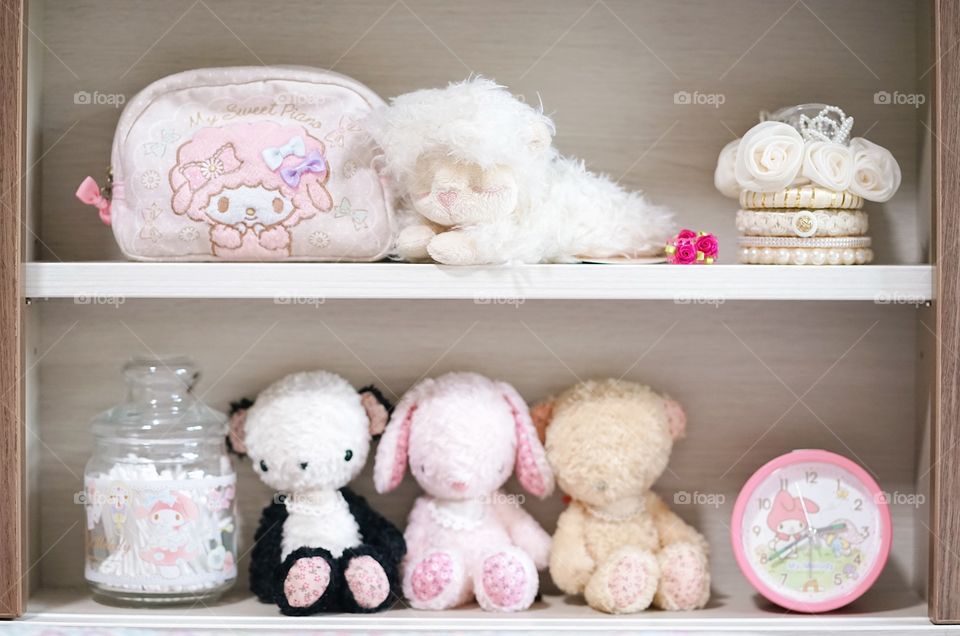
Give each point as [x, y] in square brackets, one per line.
[805, 256]
[802, 223]
[803, 197]
[844, 242]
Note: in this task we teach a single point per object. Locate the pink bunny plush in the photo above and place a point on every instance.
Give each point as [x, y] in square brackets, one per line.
[462, 434]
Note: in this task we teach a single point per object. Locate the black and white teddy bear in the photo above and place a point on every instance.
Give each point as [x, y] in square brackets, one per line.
[319, 547]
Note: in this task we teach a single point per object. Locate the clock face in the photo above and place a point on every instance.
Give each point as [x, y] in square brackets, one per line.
[811, 530]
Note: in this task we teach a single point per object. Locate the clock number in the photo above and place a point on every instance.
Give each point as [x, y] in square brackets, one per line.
[763, 558]
[764, 503]
[837, 579]
[784, 484]
[865, 531]
[783, 579]
[858, 504]
[856, 559]
[811, 476]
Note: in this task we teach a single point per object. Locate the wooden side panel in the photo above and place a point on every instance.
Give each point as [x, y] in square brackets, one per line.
[12, 542]
[944, 593]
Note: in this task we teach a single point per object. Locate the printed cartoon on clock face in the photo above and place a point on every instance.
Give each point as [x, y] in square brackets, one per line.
[811, 531]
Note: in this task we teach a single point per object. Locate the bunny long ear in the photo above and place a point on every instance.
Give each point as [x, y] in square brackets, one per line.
[531, 465]
[391, 461]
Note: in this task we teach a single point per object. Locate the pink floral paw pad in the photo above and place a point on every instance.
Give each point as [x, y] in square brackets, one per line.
[306, 581]
[683, 580]
[432, 575]
[504, 580]
[367, 580]
[627, 581]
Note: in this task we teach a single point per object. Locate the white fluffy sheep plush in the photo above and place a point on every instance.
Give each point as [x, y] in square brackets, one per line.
[481, 183]
[319, 546]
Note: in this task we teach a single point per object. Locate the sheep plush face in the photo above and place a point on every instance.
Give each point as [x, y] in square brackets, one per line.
[308, 431]
[608, 441]
[467, 153]
[462, 435]
[451, 193]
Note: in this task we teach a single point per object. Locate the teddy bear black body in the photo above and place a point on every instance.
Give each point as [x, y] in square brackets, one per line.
[381, 540]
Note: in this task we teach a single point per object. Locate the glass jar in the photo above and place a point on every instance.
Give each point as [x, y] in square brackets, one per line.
[159, 493]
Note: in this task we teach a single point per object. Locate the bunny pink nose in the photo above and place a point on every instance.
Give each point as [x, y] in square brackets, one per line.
[459, 486]
[447, 198]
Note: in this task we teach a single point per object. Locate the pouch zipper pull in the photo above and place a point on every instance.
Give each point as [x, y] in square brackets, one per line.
[92, 194]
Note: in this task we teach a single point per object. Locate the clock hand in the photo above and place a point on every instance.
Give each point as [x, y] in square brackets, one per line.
[831, 527]
[803, 504]
[788, 547]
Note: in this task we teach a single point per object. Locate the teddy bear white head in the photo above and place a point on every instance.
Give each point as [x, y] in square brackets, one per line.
[462, 434]
[467, 152]
[308, 431]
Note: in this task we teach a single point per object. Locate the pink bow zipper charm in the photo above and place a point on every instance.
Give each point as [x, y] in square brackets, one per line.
[89, 193]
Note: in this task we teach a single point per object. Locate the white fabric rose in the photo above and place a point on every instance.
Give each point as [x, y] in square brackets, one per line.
[724, 177]
[828, 164]
[876, 174]
[769, 157]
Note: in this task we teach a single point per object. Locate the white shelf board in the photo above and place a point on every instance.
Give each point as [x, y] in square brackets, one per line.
[741, 611]
[294, 281]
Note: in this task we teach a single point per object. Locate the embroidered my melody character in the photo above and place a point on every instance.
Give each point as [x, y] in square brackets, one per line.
[250, 183]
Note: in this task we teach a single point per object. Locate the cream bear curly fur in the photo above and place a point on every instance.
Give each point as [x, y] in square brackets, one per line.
[618, 543]
[481, 183]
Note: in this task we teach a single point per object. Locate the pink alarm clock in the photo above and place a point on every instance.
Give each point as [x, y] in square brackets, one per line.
[811, 530]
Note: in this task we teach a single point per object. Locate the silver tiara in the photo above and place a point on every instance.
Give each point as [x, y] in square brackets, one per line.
[829, 124]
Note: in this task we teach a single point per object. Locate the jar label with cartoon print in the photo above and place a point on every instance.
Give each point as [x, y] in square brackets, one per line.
[160, 535]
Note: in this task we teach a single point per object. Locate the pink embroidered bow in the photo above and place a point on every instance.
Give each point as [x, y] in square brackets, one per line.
[313, 163]
[223, 161]
[89, 193]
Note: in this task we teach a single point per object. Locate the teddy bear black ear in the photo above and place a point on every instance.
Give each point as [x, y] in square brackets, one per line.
[378, 408]
[236, 433]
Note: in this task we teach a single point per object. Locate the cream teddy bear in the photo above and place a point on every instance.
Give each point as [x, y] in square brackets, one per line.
[481, 184]
[618, 543]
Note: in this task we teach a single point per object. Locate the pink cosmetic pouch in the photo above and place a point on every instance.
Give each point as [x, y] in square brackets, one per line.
[247, 164]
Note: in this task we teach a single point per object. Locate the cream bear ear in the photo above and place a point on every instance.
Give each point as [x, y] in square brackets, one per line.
[676, 418]
[540, 136]
[542, 415]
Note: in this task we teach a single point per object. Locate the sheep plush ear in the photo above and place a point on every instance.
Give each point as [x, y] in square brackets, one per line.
[542, 415]
[531, 465]
[391, 460]
[377, 407]
[676, 418]
[237, 426]
[540, 136]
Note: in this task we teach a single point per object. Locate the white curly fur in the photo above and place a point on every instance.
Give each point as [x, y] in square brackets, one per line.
[561, 211]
